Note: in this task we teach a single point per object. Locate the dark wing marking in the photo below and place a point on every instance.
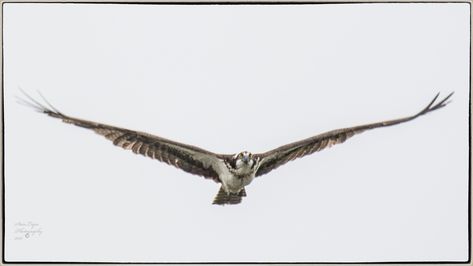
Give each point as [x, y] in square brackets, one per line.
[189, 158]
[279, 156]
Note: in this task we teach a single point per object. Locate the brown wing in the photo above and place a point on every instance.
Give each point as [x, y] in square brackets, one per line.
[189, 158]
[279, 156]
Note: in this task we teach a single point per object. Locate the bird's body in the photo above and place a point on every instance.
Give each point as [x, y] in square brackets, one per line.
[233, 183]
[233, 172]
[237, 172]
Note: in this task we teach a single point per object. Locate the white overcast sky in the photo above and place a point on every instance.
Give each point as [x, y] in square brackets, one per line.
[229, 78]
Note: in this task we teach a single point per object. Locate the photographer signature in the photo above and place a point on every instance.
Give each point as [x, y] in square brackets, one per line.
[27, 230]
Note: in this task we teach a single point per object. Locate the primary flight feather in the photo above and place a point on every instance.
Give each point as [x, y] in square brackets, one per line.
[235, 171]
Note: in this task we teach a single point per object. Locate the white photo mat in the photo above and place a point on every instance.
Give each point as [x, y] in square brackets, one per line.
[229, 78]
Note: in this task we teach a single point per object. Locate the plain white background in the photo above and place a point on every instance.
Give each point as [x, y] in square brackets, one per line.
[229, 78]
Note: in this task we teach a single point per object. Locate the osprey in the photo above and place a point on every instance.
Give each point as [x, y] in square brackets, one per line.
[233, 172]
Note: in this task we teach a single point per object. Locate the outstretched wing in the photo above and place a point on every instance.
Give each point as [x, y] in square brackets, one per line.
[273, 159]
[189, 158]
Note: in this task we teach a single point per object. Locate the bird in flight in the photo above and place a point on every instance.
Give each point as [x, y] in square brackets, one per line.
[233, 171]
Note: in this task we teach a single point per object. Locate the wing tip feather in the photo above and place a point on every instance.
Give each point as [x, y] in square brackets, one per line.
[432, 106]
[45, 108]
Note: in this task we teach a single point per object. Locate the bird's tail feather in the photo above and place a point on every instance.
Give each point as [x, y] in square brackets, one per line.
[223, 197]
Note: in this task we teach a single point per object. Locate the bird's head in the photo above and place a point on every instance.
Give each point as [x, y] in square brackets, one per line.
[244, 159]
